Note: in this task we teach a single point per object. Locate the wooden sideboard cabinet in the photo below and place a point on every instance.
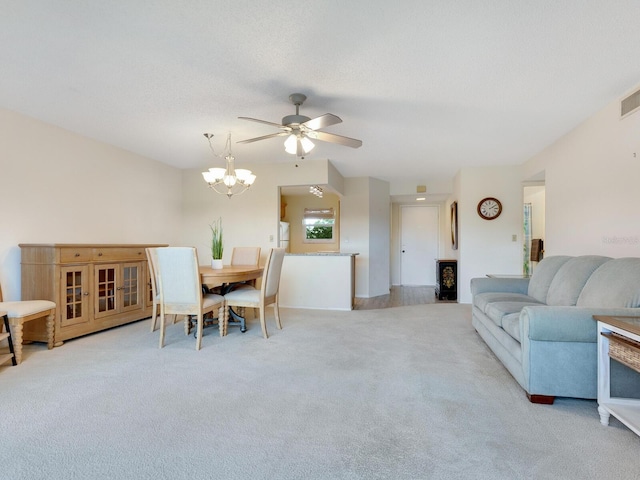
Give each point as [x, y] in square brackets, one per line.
[95, 287]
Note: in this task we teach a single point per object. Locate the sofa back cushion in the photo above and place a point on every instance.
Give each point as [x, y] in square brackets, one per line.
[615, 283]
[543, 276]
[571, 277]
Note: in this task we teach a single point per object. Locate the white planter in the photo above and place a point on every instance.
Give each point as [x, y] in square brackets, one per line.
[216, 264]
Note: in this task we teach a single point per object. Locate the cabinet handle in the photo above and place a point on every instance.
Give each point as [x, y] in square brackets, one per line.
[76, 255]
[100, 254]
[120, 288]
[86, 294]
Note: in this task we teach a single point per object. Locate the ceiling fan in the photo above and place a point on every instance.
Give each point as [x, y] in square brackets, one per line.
[299, 129]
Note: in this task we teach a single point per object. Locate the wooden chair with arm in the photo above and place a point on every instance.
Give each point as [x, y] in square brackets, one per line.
[180, 289]
[20, 312]
[266, 296]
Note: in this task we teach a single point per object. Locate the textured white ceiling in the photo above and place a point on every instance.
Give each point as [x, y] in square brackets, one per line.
[428, 86]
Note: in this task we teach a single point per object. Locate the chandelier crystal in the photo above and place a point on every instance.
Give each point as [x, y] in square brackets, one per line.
[227, 181]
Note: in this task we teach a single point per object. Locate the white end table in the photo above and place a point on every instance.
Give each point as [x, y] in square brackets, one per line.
[627, 410]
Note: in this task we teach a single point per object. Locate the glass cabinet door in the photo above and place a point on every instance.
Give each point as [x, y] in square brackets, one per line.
[75, 295]
[149, 290]
[118, 288]
[106, 283]
[130, 287]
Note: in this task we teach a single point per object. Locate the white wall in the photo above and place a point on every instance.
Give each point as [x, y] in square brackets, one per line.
[60, 187]
[591, 186]
[486, 246]
[379, 237]
[354, 238]
[365, 229]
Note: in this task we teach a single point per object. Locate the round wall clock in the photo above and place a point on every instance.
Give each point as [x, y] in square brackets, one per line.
[489, 208]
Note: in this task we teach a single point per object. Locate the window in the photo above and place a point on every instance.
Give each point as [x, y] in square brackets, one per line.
[318, 225]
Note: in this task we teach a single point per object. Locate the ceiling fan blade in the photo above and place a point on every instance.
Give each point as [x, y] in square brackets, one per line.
[322, 121]
[262, 121]
[271, 135]
[333, 138]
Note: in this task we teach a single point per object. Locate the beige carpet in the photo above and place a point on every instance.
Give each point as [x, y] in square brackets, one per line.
[401, 393]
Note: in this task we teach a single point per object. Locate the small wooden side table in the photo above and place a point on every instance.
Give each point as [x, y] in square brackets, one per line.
[618, 339]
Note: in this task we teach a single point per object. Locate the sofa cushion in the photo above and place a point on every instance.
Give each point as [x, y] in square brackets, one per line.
[615, 283]
[497, 310]
[511, 325]
[543, 276]
[481, 300]
[571, 277]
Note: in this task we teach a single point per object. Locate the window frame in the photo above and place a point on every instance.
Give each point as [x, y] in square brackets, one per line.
[318, 214]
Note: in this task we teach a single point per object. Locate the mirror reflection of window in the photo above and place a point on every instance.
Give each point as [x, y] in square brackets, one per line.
[318, 225]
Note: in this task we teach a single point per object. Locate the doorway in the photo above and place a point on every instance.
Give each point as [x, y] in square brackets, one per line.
[534, 226]
[418, 244]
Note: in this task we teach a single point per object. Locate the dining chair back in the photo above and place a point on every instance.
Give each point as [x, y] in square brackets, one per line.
[266, 296]
[178, 281]
[245, 256]
[20, 312]
[152, 260]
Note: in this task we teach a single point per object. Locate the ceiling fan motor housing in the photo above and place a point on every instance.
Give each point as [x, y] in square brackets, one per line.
[294, 119]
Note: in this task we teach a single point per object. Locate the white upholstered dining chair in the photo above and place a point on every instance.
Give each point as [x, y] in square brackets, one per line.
[245, 256]
[152, 260]
[242, 256]
[178, 283]
[267, 294]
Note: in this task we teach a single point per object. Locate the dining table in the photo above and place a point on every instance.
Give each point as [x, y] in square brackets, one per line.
[227, 278]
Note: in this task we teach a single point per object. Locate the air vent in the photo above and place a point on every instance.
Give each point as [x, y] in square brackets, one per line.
[630, 104]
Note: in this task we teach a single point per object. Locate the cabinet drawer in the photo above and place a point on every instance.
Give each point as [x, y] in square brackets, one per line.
[118, 253]
[74, 255]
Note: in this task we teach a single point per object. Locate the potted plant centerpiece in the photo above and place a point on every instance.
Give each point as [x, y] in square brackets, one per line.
[216, 244]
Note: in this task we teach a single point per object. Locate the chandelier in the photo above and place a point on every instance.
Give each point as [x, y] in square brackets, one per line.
[228, 181]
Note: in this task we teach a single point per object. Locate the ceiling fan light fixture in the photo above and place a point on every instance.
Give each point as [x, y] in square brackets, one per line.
[307, 145]
[291, 144]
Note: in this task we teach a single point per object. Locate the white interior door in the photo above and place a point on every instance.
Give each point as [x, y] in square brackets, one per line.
[418, 244]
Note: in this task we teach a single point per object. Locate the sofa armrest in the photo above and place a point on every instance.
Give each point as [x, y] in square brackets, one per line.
[565, 323]
[499, 285]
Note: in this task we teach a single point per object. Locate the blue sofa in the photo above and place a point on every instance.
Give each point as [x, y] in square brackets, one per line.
[542, 328]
